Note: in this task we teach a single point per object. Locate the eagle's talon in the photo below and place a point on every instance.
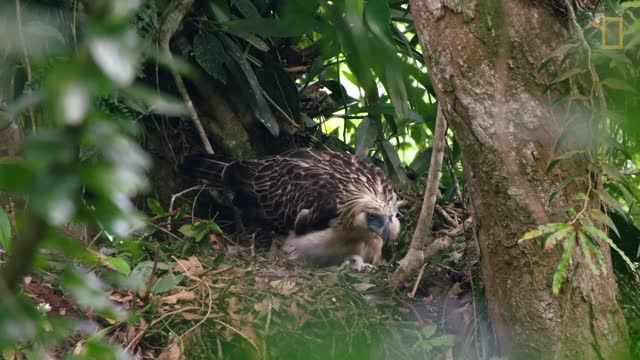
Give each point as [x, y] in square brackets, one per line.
[356, 262]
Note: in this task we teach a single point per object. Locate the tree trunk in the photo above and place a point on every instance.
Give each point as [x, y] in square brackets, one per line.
[484, 60]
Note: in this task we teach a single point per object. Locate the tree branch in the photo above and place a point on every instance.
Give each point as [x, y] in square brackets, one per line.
[415, 256]
[172, 18]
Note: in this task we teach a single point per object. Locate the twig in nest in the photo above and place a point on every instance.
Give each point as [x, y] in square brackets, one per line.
[418, 279]
[459, 229]
[434, 248]
[451, 221]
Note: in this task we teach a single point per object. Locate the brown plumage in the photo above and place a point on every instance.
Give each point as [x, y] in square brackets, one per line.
[334, 205]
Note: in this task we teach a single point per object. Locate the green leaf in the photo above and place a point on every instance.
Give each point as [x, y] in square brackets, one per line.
[200, 229]
[566, 155]
[140, 274]
[210, 54]
[604, 219]
[155, 207]
[542, 230]
[118, 264]
[558, 276]
[611, 202]
[391, 155]
[561, 186]
[366, 133]
[395, 84]
[444, 340]
[166, 283]
[259, 103]
[281, 88]
[597, 233]
[551, 241]
[618, 84]
[5, 230]
[429, 330]
[630, 4]
[247, 8]
[586, 251]
[567, 74]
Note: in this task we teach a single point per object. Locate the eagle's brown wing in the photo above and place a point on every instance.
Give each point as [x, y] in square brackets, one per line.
[283, 186]
[324, 183]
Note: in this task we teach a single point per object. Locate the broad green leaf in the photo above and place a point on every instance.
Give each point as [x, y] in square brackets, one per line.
[5, 231]
[365, 137]
[120, 265]
[281, 88]
[260, 106]
[155, 207]
[395, 84]
[166, 283]
[563, 265]
[391, 155]
[247, 8]
[210, 54]
[428, 331]
[378, 18]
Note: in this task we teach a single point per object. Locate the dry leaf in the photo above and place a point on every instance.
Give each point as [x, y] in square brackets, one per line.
[284, 287]
[120, 298]
[191, 316]
[183, 295]
[171, 353]
[191, 266]
[362, 287]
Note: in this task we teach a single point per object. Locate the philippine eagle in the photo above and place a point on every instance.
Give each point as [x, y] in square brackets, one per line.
[334, 206]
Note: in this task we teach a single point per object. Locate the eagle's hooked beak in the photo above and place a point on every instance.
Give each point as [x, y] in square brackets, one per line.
[384, 232]
[380, 226]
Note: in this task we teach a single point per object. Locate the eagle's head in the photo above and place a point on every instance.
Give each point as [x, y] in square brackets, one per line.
[375, 215]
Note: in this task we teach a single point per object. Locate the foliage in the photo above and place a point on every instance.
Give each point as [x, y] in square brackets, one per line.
[602, 107]
[81, 166]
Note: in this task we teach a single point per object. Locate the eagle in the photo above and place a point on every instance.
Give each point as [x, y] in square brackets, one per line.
[335, 207]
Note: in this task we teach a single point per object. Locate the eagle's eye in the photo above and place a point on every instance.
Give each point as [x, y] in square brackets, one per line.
[371, 217]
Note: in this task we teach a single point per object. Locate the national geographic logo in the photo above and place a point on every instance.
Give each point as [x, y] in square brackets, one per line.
[611, 28]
